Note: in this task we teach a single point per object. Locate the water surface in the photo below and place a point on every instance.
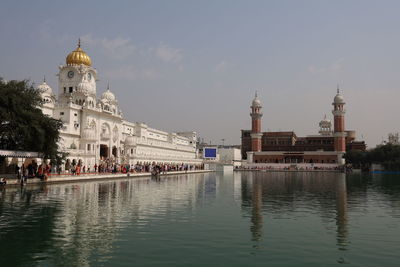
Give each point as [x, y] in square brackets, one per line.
[240, 219]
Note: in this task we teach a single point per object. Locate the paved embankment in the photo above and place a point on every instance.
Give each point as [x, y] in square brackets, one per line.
[91, 177]
[281, 170]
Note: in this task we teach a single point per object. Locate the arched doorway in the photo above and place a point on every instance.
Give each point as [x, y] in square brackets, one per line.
[103, 151]
[114, 151]
[68, 164]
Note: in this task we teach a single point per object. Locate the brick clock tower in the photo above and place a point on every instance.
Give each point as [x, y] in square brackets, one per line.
[339, 133]
[256, 133]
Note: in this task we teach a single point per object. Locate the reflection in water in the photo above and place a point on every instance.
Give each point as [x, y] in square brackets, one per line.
[341, 208]
[29, 224]
[73, 221]
[256, 213]
[276, 194]
[281, 218]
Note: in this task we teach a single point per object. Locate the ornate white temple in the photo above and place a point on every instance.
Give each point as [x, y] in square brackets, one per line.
[94, 129]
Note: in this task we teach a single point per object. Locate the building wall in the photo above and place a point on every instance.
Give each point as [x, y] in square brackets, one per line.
[230, 156]
[91, 124]
[288, 141]
[295, 158]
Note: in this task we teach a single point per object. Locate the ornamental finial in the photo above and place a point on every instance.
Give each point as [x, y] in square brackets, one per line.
[44, 78]
[338, 90]
[79, 42]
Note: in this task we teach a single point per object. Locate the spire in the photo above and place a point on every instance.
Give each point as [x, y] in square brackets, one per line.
[44, 78]
[79, 42]
[338, 90]
[108, 86]
[256, 94]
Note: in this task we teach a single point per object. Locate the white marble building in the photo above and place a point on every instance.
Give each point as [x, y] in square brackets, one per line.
[94, 129]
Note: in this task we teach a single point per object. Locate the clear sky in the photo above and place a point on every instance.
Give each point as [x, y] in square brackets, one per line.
[195, 65]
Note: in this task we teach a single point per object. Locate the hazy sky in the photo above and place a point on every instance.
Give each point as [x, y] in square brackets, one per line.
[195, 65]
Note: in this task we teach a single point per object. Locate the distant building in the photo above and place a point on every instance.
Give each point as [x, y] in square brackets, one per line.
[393, 138]
[230, 155]
[286, 147]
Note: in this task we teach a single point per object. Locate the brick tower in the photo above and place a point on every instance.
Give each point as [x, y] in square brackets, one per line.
[256, 115]
[339, 133]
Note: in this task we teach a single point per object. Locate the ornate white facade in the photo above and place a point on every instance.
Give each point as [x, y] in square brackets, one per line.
[94, 129]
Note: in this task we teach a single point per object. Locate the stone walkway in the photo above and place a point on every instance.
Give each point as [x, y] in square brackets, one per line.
[91, 177]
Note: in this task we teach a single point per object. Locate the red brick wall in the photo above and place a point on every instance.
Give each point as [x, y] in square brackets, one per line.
[256, 144]
[300, 158]
[256, 125]
[340, 144]
[338, 124]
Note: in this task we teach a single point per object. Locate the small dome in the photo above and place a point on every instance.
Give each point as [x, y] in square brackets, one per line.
[44, 88]
[78, 57]
[85, 88]
[107, 95]
[338, 98]
[256, 102]
[325, 122]
[130, 141]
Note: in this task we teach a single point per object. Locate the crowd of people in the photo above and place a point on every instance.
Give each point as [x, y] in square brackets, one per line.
[140, 167]
[32, 170]
[44, 170]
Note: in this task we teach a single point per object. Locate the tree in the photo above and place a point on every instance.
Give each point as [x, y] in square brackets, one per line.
[23, 126]
[388, 155]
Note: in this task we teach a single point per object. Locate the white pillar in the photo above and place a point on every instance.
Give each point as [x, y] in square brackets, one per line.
[250, 155]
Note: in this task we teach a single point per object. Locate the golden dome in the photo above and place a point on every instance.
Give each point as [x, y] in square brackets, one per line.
[78, 56]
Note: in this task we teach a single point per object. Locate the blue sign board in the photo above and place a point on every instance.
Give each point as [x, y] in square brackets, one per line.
[210, 153]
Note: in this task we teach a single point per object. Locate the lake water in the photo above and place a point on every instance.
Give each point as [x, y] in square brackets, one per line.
[211, 219]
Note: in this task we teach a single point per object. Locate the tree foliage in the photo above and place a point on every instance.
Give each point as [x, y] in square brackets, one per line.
[23, 126]
[388, 155]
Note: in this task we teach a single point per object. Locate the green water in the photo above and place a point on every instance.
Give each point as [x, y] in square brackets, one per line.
[240, 219]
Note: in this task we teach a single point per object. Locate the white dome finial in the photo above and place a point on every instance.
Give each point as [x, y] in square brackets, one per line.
[256, 102]
[108, 95]
[339, 97]
[45, 88]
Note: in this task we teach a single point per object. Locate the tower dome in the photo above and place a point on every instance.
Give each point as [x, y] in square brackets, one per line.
[256, 102]
[78, 57]
[338, 98]
[44, 88]
[108, 95]
[85, 88]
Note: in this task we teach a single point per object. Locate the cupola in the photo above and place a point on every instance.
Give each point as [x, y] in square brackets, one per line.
[78, 57]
